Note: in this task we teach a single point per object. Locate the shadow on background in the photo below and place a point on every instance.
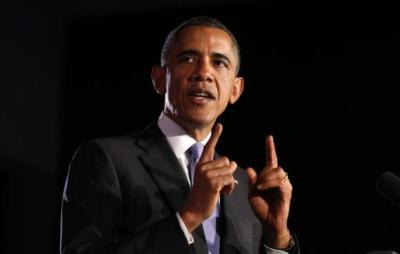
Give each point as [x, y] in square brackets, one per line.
[322, 82]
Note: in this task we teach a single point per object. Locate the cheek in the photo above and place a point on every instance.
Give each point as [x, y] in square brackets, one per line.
[225, 89]
[175, 92]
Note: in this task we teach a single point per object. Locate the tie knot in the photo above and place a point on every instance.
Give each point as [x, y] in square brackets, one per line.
[195, 151]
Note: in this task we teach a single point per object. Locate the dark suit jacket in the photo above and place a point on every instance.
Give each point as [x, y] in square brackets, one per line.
[122, 193]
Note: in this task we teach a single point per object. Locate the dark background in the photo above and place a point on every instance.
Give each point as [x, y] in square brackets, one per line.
[321, 77]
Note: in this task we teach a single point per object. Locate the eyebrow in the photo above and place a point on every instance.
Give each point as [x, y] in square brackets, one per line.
[221, 56]
[197, 53]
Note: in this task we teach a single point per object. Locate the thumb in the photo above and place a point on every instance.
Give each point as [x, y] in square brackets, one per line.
[251, 173]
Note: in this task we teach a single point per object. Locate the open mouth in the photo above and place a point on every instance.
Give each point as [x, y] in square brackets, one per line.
[204, 94]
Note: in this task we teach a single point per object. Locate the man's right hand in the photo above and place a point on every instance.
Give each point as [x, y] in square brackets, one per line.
[211, 177]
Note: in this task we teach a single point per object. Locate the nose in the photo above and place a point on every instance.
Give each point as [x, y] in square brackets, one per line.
[202, 72]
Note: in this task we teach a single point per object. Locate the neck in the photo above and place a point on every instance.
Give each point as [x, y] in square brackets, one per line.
[197, 131]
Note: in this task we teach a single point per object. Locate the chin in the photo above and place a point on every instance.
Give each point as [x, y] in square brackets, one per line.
[199, 122]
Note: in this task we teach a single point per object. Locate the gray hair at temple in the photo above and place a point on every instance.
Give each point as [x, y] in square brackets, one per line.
[198, 21]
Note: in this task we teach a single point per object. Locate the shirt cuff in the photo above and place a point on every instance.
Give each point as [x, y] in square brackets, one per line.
[269, 250]
[188, 235]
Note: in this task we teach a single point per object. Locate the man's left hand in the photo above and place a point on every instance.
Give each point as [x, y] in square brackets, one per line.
[269, 196]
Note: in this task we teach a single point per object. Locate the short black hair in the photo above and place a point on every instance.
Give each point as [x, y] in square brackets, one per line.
[198, 21]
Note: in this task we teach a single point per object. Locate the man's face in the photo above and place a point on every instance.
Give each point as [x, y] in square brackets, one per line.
[199, 78]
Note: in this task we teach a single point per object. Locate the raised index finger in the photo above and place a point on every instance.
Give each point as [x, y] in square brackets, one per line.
[272, 158]
[209, 148]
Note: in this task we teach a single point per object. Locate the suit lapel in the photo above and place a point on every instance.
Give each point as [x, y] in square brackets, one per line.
[230, 240]
[200, 242]
[167, 172]
[163, 166]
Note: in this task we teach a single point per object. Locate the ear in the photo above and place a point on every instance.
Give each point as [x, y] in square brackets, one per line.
[237, 89]
[158, 79]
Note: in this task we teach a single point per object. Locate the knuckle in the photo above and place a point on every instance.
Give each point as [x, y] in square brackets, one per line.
[208, 174]
[224, 160]
[201, 169]
[280, 171]
[289, 188]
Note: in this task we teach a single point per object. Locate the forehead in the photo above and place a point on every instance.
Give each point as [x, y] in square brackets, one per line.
[204, 38]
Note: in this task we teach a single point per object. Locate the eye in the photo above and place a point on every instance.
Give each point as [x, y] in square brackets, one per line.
[220, 63]
[186, 59]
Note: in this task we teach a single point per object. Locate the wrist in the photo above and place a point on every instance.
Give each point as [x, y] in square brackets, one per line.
[292, 244]
[191, 220]
[278, 239]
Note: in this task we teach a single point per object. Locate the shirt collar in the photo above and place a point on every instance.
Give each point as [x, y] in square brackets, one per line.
[178, 139]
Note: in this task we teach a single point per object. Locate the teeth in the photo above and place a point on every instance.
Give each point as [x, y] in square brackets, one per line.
[201, 94]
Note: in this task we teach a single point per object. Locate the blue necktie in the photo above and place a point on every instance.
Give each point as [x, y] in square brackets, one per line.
[210, 224]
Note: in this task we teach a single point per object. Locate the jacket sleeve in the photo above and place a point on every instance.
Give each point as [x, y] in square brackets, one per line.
[92, 213]
[294, 250]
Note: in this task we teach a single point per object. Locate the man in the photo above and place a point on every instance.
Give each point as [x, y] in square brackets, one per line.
[145, 192]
